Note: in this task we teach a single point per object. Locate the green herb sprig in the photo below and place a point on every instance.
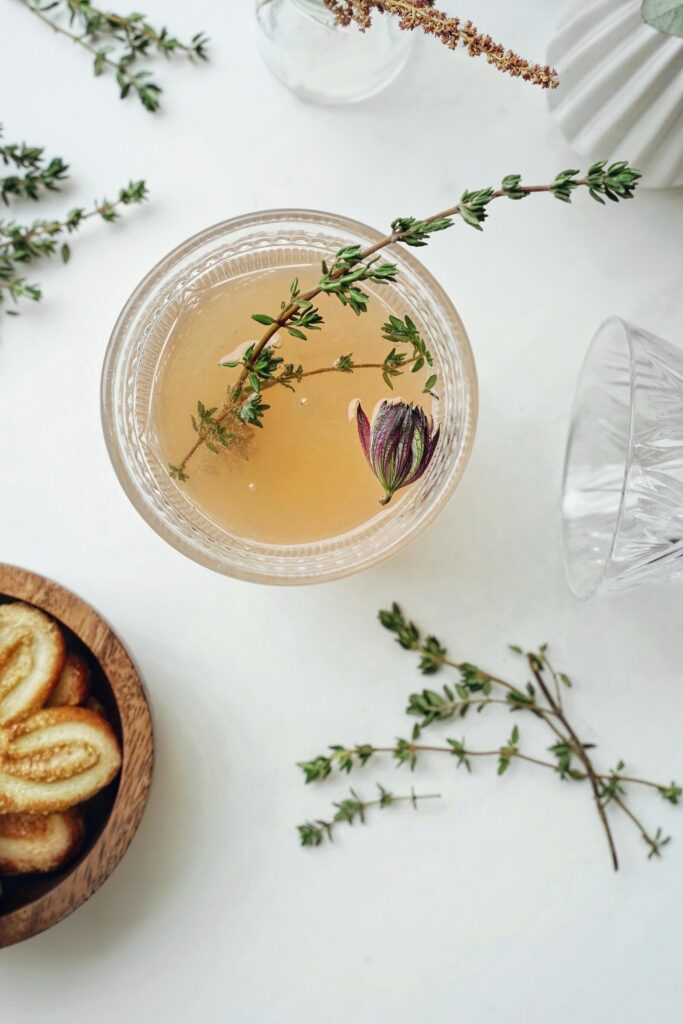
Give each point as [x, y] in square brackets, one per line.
[352, 267]
[22, 244]
[30, 173]
[118, 42]
[353, 809]
[475, 689]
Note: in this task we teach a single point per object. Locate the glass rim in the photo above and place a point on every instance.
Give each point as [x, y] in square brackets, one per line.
[625, 330]
[131, 483]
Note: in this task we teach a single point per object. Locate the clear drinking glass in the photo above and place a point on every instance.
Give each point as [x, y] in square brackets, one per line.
[622, 500]
[254, 242]
[324, 62]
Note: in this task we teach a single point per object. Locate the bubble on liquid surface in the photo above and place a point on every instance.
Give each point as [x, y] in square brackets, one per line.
[303, 401]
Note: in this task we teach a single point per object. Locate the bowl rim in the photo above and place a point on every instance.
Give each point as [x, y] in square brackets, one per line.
[138, 754]
[108, 401]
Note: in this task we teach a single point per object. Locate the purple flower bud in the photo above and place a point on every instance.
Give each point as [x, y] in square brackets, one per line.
[398, 446]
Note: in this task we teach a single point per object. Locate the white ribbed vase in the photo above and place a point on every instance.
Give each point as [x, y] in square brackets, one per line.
[621, 89]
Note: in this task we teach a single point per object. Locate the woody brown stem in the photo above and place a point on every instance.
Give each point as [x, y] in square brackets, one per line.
[580, 751]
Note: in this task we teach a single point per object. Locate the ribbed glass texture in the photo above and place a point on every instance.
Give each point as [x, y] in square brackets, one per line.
[277, 238]
[622, 498]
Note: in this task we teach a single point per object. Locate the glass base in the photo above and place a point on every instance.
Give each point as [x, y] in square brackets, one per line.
[326, 63]
[623, 482]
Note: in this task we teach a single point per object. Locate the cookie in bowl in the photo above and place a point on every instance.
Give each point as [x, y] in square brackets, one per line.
[75, 753]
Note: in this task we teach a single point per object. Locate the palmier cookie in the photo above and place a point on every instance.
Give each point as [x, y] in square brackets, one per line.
[39, 842]
[73, 685]
[54, 759]
[32, 655]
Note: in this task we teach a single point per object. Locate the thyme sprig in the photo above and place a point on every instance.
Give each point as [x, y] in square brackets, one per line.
[452, 32]
[21, 244]
[353, 809]
[475, 688]
[118, 42]
[353, 266]
[37, 175]
[243, 405]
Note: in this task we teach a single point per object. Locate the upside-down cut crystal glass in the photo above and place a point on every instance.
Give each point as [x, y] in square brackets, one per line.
[254, 243]
[622, 500]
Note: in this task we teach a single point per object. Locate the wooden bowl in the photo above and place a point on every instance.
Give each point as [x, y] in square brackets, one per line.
[32, 903]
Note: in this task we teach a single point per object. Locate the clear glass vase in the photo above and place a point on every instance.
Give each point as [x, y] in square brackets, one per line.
[622, 498]
[277, 238]
[324, 62]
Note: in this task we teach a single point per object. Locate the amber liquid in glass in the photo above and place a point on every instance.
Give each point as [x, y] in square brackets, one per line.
[303, 477]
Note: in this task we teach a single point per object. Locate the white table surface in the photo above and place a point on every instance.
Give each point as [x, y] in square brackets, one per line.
[498, 905]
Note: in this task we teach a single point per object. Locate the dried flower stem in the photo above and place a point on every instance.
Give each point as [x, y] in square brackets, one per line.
[451, 31]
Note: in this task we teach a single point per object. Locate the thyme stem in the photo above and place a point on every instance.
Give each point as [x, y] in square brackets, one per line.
[390, 239]
[580, 752]
[653, 843]
[117, 42]
[518, 755]
[330, 369]
[571, 758]
[291, 308]
[353, 266]
[352, 809]
[22, 244]
[228, 405]
[79, 40]
[55, 227]
[140, 27]
[430, 749]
